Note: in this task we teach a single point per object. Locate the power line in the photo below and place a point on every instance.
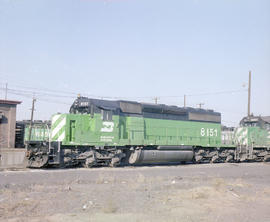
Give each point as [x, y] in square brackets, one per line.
[29, 96]
[219, 92]
[6, 91]
[71, 94]
[38, 93]
[46, 90]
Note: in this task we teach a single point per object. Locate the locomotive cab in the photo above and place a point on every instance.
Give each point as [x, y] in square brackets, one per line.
[256, 121]
[254, 131]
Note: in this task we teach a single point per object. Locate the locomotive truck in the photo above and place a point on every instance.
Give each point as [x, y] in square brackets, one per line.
[99, 132]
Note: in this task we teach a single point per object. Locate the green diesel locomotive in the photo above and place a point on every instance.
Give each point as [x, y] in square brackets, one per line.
[109, 133]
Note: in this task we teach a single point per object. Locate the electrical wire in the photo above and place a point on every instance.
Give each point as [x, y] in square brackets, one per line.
[30, 96]
[71, 94]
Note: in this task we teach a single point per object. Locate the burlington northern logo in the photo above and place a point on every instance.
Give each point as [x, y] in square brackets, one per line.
[107, 127]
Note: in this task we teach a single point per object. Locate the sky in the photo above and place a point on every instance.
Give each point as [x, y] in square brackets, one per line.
[136, 50]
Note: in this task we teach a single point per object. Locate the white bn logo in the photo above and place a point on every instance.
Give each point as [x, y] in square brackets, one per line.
[107, 127]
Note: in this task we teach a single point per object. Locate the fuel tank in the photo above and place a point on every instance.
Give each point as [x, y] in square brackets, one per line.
[160, 156]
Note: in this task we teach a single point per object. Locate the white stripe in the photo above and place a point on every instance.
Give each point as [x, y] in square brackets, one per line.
[55, 118]
[59, 127]
[245, 142]
[61, 137]
[241, 138]
[238, 130]
[241, 135]
[245, 132]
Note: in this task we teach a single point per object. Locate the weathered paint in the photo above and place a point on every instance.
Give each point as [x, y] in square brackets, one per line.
[39, 133]
[255, 136]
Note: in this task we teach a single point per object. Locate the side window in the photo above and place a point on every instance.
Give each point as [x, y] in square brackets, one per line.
[106, 115]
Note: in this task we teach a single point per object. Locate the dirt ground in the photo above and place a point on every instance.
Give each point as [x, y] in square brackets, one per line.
[217, 192]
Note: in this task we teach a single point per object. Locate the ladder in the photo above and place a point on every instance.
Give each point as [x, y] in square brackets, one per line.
[55, 153]
[244, 152]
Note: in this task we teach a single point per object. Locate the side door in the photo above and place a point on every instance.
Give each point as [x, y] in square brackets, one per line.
[135, 127]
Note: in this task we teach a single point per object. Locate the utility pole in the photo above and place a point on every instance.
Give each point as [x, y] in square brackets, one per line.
[249, 92]
[185, 101]
[6, 91]
[32, 116]
[200, 105]
[156, 100]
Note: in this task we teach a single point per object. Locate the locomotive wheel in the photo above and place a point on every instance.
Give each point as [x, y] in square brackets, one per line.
[115, 162]
[90, 162]
[229, 159]
[266, 158]
[215, 159]
[37, 161]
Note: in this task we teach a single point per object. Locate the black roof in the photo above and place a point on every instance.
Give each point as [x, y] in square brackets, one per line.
[266, 118]
[255, 119]
[83, 105]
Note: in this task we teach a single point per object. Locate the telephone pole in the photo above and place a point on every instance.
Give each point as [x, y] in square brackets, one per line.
[156, 100]
[6, 91]
[249, 92]
[185, 101]
[200, 105]
[32, 116]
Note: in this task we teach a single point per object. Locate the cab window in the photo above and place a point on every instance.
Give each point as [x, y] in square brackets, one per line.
[106, 115]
